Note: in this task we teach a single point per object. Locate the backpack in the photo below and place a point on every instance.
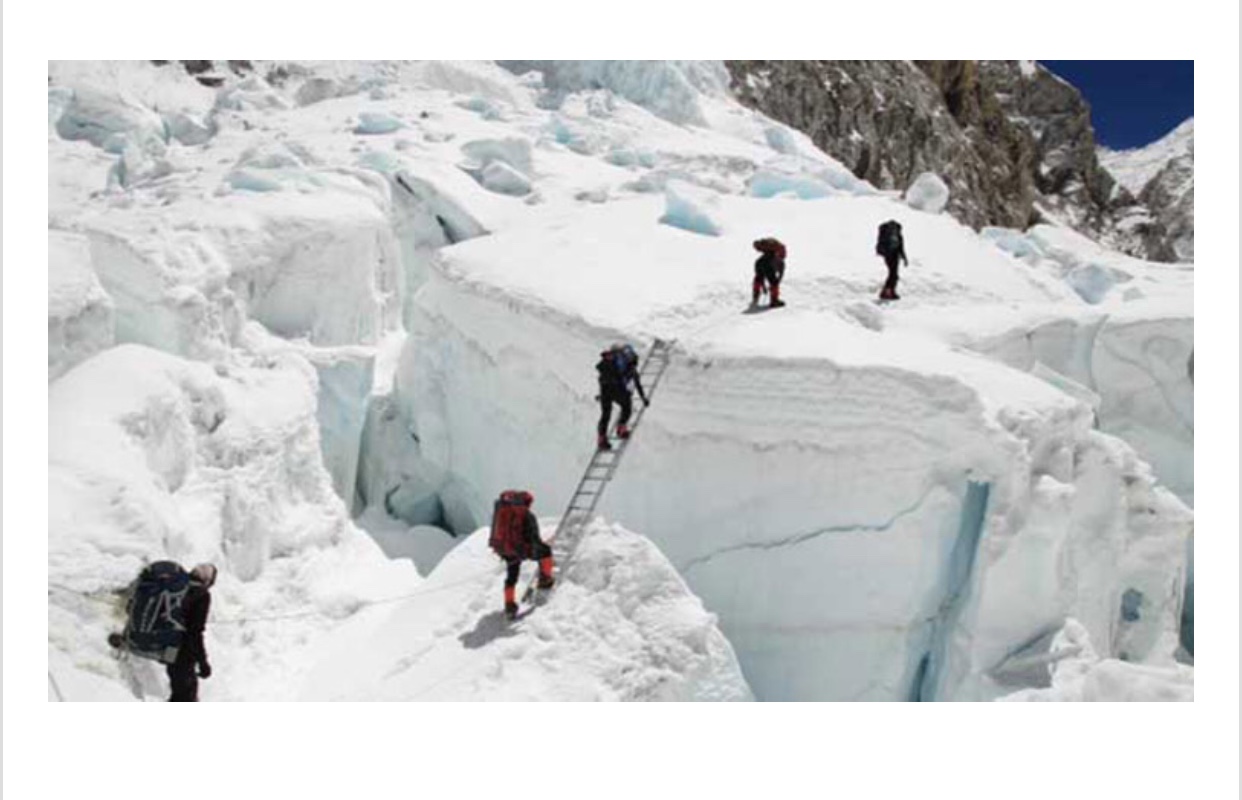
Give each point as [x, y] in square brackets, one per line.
[888, 241]
[508, 536]
[615, 363]
[770, 245]
[155, 617]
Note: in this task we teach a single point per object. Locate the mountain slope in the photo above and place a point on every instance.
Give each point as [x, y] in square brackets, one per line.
[1162, 175]
[1013, 141]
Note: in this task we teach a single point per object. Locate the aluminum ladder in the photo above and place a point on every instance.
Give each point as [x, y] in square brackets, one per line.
[603, 465]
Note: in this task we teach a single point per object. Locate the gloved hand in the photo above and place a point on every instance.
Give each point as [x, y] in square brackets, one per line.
[204, 670]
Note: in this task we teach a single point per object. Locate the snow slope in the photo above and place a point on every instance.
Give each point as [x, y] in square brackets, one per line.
[620, 625]
[1134, 168]
[392, 280]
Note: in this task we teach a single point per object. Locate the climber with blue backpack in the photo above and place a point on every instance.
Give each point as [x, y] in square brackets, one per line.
[515, 538]
[166, 615]
[618, 377]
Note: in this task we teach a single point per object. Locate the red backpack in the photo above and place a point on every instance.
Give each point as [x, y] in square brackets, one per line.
[770, 245]
[508, 537]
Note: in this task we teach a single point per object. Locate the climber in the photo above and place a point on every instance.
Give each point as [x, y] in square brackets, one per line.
[891, 246]
[181, 673]
[618, 376]
[769, 270]
[515, 538]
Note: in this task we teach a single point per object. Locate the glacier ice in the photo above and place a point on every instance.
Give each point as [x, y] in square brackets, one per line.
[928, 192]
[688, 209]
[79, 312]
[373, 123]
[500, 177]
[901, 503]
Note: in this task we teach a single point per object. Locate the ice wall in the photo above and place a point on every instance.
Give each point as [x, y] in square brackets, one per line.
[852, 520]
[1138, 360]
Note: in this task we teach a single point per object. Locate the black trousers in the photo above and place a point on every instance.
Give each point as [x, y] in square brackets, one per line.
[513, 566]
[606, 399]
[890, 285]
[184, 681]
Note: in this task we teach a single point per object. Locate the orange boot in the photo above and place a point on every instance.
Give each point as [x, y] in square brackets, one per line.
[546, 581]
[511, 606]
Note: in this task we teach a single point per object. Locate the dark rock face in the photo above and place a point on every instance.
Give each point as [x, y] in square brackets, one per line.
[1013, 141]
[208, 73]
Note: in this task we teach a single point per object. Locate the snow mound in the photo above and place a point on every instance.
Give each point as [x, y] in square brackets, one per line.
[513, 152]
[373, 123]
[105, 119]
[501, 178]
[620, 625]
[688, 209]
[79, 312]
[928, 193]
[1073, 671]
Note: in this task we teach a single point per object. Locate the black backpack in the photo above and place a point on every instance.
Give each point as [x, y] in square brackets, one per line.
[888, 242]
[155, 615]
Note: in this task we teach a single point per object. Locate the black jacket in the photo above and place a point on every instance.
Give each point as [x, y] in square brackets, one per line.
[614, 381]
[770, 267]
[890, 243]
[196, 606]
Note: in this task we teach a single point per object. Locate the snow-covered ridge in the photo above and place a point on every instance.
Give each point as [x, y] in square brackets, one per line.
[381, 288]
[1135, 167]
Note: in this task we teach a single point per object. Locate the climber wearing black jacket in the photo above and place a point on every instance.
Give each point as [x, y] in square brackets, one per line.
[193, 654]
[618, 372]
[892, 246]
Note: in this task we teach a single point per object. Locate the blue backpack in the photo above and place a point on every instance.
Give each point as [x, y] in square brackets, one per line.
[155, 624]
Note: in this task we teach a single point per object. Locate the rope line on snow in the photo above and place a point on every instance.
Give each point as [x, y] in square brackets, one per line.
[91, 596]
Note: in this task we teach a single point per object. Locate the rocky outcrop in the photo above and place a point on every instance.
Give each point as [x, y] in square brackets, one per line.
[1013, 141]
[1162, 176]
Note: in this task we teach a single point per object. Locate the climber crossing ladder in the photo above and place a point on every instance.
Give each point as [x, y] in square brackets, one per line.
[603, 466]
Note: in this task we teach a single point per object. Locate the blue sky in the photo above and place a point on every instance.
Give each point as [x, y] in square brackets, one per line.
[1133, 103]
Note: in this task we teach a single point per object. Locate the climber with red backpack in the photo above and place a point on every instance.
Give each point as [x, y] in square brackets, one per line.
[618, 376]
[769, 270]
[515, 538]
